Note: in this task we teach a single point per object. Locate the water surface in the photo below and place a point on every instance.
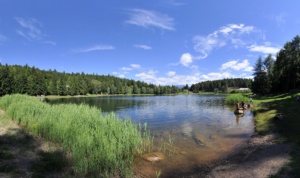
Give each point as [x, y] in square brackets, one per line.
[191, 130]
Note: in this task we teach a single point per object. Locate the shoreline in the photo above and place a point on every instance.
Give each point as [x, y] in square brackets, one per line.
[260, 156]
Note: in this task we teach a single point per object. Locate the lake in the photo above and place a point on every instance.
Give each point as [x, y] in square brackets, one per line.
[192, 131]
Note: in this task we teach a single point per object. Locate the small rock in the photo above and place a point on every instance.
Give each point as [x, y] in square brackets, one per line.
[153, 157]
[199, 139]
[183, 152]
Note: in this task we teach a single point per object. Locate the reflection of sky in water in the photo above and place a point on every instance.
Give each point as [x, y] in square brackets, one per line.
[188, 113]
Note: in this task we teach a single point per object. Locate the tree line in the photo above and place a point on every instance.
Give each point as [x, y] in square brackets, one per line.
[281, 74]
[33, 81]
[220, 85]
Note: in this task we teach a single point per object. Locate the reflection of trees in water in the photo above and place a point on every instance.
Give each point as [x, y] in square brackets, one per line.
[105, 104]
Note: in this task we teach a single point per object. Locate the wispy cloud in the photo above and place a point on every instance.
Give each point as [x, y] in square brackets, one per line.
[136, 66]
[281, 19]
[143, 47]
[31, 29]
[230, 34]
[2, 38]
[173, 3]
[172, 78]
[171, 73]
[125, 70]
[236, 65]
[94, 48]
[147, 19]
[265, 49]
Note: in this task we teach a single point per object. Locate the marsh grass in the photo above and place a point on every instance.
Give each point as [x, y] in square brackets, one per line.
[236, 98]
[98, 144]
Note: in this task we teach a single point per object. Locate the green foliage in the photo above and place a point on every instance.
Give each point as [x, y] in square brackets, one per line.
[236, 98]
[98, 144]
[32, 81]
[220, 85]
[280, 75]
[262, 81]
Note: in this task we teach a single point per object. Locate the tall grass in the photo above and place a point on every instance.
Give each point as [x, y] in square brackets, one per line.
[236, 98]
[98, 144]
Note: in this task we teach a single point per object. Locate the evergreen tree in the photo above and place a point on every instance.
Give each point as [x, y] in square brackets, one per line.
[261, 84]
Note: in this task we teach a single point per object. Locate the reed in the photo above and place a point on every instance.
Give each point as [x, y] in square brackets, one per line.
[99, 144]
[236, 98]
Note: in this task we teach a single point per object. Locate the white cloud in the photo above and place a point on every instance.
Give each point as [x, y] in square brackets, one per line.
[147, 19]
[136, 66]
[171, 73]
[186, 59]
[215, 76]
[249, 69]
[235, 65]
[126, 68]
[266, 49]
[143, 47]
[147, 76]
[232, 34]
[119, 74]
[94, 48]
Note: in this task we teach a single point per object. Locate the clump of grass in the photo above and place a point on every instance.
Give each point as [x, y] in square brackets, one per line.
[101, 145]
[236, 98]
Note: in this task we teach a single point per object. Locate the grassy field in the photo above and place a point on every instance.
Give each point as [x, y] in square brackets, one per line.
[98, 144]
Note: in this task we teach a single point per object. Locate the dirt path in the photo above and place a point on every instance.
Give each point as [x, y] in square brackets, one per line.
[260, 157]
[22, 155]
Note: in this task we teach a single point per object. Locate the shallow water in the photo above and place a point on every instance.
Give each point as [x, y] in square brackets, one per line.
[192, 131]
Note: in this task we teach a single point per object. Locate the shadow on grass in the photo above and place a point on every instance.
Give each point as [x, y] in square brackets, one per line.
[287, 124]
[20, 156]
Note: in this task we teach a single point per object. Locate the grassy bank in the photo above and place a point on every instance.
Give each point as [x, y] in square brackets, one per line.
[280, 113]
[99, 145]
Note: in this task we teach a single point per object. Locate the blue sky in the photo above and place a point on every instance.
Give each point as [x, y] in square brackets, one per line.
[167, 42]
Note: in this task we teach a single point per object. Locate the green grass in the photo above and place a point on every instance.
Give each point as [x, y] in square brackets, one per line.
[236, 98]
[98, 144]
[265, 111]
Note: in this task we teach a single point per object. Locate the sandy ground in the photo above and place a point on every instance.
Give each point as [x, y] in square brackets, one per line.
[260, 157]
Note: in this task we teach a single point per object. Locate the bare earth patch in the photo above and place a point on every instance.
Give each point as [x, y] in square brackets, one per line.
[22, 154]
[261, 156]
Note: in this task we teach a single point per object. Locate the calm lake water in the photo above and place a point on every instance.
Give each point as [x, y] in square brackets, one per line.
[192, 131]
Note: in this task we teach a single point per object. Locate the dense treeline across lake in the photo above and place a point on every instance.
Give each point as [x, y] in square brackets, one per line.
[221, 85]
[33, 81]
